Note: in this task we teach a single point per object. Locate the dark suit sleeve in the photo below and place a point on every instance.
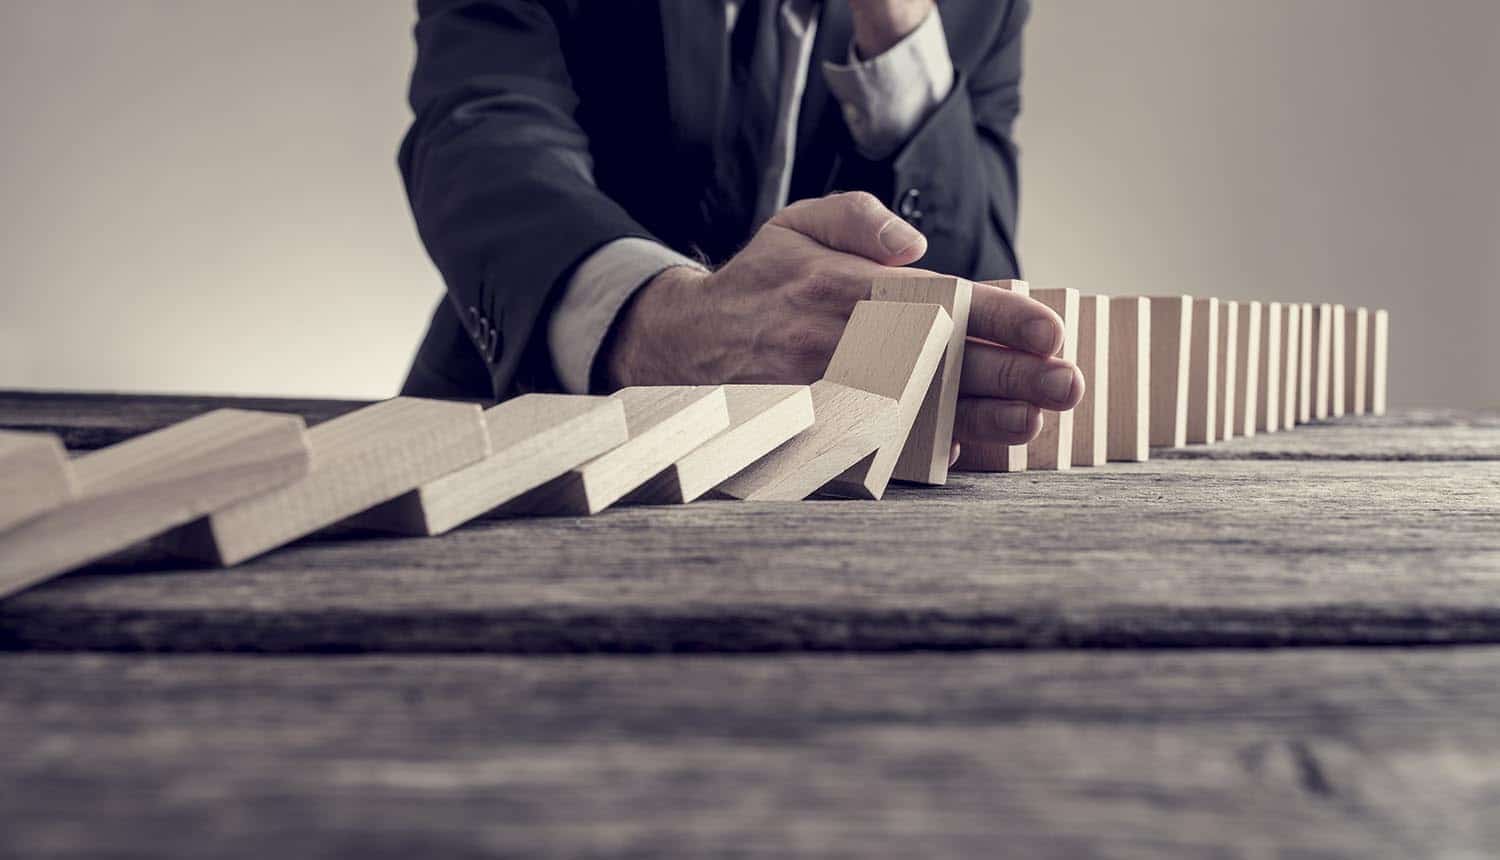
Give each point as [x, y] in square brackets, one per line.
[499, 175]
[956, 177]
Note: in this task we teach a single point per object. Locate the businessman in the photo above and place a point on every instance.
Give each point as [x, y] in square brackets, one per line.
[639, 192]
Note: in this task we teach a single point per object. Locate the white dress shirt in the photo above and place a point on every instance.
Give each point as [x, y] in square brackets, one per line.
[885, 100]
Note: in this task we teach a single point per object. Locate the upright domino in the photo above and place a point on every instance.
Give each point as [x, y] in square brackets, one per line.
[1229, 342]
[1203, 373]
[891, 349]
[1091, 416]
[145, 486]
[533, 439]
[924, 459]
[1247, 402]
[1305, 363]
[1011, 458]
[360, 460]
[1052, 449]
[761, 419]
[1322, 356]
[1268, 391]
[665, 424]
[1171, 359]
[1339, 350]
[34, 476]
[1129, 379]
[1356, 359]
[849, 426]
[1291, 328]
[1379, 359]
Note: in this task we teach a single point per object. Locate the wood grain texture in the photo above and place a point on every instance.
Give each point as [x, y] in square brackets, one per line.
[359, 460]
[1171, 359]
[1012, 458]
[1247, 408]
[1340, 351]
[1322, 352]
[892, 349]
[1052, 449]
[1356, 360]
[1379, 353]
[848, 426]
[534, 439]
[35, 476]
[1203, 373]
[144, 486]
[1129, 379]
[1363, 753]
[761, 419]
[1176, 553]
[1305, 361]
[1413, 437]
[1268, 390]
[1291, 369]
[1091, 416]
[665, 424]
[924, 459]
[1229, 368]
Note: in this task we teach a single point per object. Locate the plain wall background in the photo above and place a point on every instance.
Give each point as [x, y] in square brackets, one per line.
[200, 195]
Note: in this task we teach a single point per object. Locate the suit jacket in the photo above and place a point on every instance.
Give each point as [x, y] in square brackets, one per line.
[544, 129]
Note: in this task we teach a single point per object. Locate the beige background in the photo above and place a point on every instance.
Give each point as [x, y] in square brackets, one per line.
[200, 195]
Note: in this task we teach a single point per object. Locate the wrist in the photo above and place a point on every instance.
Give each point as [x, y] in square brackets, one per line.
[645, 329]
[880, 24]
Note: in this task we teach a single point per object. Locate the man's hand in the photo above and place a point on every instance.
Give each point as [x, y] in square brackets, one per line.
[880, 24]
[776, 311]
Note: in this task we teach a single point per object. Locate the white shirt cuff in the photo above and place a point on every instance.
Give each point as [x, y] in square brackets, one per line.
[599, 288]
[886, 98]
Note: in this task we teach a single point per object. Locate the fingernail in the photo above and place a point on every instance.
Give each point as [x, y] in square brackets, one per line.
[1057, 384]
[1016, 418]
[898, 236]
[1041, 336]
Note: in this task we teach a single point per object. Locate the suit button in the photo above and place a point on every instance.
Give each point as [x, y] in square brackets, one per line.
[910, 207]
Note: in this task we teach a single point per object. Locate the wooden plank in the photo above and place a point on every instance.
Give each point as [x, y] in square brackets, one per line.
[1305, 364]
[35, 476]
[1326, 753]
[1379, 356]
[1129, 379]
[1203, 373]
[1291, 370]
[1171, 360]
[1052, 449]
[761, 419]
[849, 426]
[140, 488]
[892, 349]
[1091, 416]
[665, 423]
[534, 439]
[924, 459]
[1012, 458]
[1268, 392]
[1339, 350]
[1247, 408]
[1392, 553]
[1348, 439]
[1322, 350]
[1229, 371]
[1356, 360]
[359, 461]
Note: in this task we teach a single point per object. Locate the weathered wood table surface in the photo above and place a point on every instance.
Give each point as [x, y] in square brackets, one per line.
[1280, 646]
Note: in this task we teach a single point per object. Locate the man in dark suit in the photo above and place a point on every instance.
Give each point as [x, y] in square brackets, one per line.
[604, 185]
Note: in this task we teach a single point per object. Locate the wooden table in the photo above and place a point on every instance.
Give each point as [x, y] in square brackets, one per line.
[1280, 646]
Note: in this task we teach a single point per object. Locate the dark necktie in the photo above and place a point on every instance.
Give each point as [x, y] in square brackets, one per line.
[747, 126]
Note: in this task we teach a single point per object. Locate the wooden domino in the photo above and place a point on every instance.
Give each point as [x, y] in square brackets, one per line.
[1129, 379]
[360, 460]
[1052, 449]
[891, 349]
[1305, 363]
[924, 459]
[1322, 356]
[1378, 355]
[1091, 416]
[533, 439]
[145, 486]
[1228, 376]
[1171, 359]
[1010, 458]
[1291, 327]
[1203, 373]
[665, 424]
[1339, 351]
[1268, 389]
[35, 476]
[1356, 359]
[1247, 357]
[849, 426]
[761, 419]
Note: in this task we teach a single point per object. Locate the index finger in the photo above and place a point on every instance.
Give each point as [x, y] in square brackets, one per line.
[1010, 319]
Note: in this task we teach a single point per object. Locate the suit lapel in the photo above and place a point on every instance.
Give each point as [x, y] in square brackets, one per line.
[819, 126]
[693, 35]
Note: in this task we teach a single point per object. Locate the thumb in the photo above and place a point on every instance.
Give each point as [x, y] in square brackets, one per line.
[855, 222]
